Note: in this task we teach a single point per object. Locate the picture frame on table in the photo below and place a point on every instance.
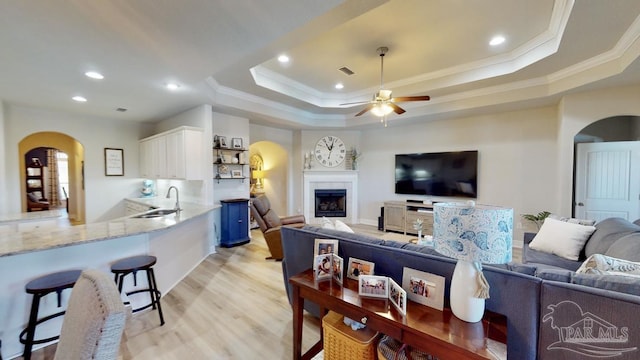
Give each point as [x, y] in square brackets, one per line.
[325, 246]
[373, 286]
[322, 267]
[357, 267]
[236, 143]
[337, 268]
[113, 162]
[424, 288]
[236, 173]
[398, 296]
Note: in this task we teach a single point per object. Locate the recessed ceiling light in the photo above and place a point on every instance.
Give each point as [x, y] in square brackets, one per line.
[79, 98]
[94, 75]
[283, 58]
[339, 86]
[173, 86]
[497, 40]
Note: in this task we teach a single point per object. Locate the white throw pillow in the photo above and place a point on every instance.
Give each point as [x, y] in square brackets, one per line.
[343, 227]
[561, 238]
[327, 224]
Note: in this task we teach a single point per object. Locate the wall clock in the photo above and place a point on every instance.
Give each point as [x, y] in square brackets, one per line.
[330, 151]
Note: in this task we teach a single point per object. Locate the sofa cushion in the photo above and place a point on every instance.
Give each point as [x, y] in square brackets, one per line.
[339, 225]
[627, 247]
[623, 284]
[573, 220]
[606, 265]
[561, 238]
[607, 232]
[327, 224]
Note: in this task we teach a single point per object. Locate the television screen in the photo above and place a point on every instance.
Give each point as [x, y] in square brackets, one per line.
[453, 174]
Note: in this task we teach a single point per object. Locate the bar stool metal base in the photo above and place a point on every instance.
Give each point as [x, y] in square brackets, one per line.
[41, 287]
[132, 265]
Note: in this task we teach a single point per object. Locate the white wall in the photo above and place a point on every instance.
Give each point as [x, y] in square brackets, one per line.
[104, 194]
[3, 174]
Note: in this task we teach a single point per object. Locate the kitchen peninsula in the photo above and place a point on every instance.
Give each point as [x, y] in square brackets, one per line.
[180, 241]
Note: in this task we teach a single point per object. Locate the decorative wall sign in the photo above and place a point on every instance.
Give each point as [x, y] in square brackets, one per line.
[113, 162]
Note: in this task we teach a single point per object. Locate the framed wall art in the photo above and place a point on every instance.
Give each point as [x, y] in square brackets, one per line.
[113, 162]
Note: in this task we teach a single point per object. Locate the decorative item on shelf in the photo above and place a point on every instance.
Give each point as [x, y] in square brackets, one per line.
[236, 143]
[417, 225]
[473, 235]
[258, 175]
[537, 219]
[354, 159]
[222, 142]
[236, 174]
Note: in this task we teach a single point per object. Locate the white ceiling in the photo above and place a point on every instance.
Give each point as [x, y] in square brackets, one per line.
[223, 53]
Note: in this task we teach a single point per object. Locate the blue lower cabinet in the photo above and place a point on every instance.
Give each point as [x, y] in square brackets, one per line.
[235, 222]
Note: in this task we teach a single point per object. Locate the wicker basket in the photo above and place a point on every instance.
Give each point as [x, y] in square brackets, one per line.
[343, 343]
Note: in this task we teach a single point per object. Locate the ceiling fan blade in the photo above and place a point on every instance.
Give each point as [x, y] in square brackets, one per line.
[411, 98]
[369, 107]
[397, 109]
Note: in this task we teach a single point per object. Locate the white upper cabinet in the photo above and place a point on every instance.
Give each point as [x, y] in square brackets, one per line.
[174, 154]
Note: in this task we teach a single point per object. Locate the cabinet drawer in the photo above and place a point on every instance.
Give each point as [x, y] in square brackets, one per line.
[373, 323]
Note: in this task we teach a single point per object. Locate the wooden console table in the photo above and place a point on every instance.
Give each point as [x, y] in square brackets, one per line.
[438, 333]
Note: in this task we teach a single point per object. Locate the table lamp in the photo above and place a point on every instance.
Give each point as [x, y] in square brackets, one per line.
[258, 175]
[473, 234]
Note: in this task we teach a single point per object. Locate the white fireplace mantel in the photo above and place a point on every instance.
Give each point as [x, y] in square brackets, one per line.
[340, 179]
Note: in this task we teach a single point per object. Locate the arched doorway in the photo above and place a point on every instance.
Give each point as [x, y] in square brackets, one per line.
[75, 152]
[612, 144]
[275, 167]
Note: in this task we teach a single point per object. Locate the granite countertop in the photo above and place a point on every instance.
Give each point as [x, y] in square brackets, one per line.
[32, 216]
[14, 243]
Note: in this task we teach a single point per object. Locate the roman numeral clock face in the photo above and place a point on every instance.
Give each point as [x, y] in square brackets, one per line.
[330, 151]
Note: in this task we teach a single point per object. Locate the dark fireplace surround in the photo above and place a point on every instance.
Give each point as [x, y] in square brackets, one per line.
[331, 203]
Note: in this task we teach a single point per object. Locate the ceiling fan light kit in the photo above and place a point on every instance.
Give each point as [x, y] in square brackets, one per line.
[383, 104]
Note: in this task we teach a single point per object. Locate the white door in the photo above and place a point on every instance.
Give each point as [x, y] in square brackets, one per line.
[607, 182]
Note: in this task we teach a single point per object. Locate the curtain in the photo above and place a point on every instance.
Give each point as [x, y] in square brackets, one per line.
[53, 188]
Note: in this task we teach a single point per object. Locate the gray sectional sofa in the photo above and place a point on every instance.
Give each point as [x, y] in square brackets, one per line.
[615, 237]
[546, 319]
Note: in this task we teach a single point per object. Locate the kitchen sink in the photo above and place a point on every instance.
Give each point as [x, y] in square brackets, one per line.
[156, 213]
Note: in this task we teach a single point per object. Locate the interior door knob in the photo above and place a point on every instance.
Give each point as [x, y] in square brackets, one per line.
[580, 204]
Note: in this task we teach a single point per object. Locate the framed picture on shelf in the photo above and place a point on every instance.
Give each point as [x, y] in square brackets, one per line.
[359, 267]
[236, 173]
[424, 288]
[236, 143]
[373, 286]
[222, 142]
[223, 172]
[325, 246]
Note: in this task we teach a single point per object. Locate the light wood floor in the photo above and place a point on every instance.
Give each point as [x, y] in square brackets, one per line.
[232, 306]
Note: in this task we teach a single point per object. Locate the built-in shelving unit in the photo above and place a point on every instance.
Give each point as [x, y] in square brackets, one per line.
[231, 163]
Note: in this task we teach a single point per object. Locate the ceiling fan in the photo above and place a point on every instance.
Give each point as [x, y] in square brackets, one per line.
[382, 103]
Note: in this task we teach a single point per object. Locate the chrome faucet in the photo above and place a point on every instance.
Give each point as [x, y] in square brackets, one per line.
[177, 206]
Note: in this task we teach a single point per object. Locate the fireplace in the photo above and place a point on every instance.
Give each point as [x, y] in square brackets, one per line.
[331, 202]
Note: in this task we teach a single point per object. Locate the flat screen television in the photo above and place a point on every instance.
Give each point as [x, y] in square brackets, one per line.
[451, 174]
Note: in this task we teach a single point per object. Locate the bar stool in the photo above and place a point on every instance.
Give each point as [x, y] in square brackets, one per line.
[39, 288]
[132, 265]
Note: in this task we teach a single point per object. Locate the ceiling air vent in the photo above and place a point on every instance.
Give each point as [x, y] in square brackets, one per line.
[346, 70]
[121, 109]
